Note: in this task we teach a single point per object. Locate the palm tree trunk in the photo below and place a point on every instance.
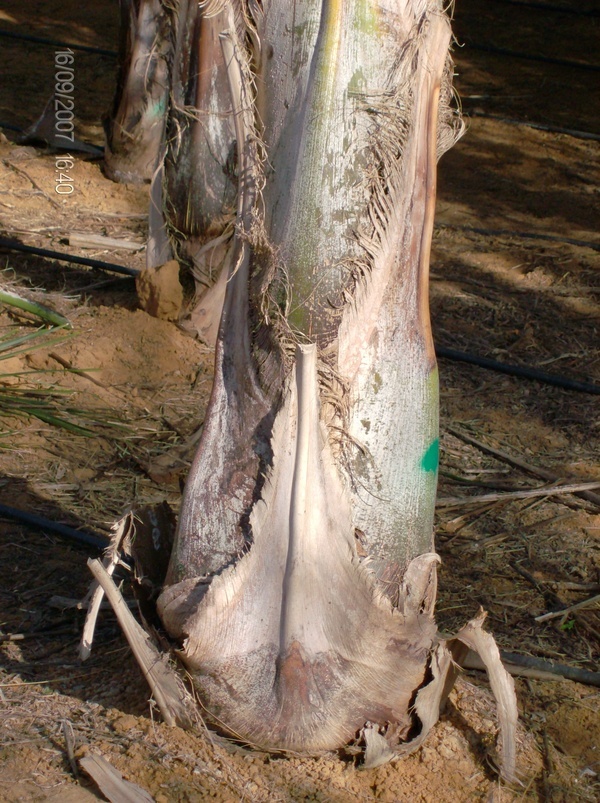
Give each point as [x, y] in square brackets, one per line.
[302, 580]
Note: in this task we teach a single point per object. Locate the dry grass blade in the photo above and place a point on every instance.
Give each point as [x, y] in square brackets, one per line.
[578, 606]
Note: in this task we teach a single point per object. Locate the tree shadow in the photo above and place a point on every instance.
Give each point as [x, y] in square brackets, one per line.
[534, 88]
[531, 187]
[28, 67]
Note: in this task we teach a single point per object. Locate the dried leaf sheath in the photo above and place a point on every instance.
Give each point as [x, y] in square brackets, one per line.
[295, 647]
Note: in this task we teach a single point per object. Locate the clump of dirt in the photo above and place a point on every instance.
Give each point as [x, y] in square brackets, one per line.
[514, 277]
[160, 292]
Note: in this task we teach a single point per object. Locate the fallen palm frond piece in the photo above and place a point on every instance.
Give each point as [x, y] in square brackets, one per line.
[48, 405]
[174, 702]
[111, 783]
[549, 490]
[26, 399]
[14, 345]
[120, 530]
[518, 462]
[586, 603]
[91, 240]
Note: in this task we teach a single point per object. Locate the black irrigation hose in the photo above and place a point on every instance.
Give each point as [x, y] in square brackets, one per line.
[10, 127]
[516, 54]
[39, 522]
[14, 245]
[522, 371]
[40, 40]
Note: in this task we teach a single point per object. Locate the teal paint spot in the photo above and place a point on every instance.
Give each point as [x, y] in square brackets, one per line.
[431, 458]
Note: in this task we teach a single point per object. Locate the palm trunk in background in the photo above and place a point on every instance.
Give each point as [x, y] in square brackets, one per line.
[135, 127]
[200, 170]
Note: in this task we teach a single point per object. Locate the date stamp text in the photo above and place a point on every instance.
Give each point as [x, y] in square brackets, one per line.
[64, 114]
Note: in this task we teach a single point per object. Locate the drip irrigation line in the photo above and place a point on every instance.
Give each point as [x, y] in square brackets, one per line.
[78, 145]
[10, 127]
[40, 40]
[523, 371]
[14, 245]
[528, 235]
[517, 54]
[32, 520]
[553, 129]
[559, 9]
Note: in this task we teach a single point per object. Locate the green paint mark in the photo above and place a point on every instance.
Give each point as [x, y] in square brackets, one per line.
[431, 458]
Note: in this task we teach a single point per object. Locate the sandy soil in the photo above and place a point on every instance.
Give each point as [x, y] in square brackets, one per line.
[495, 292]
